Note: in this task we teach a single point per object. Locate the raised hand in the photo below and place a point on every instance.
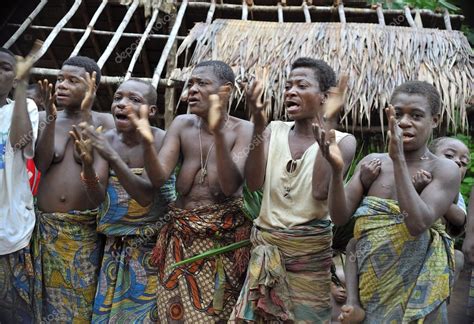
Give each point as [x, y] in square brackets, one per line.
[86, 105]
[328, 147]
[98, 141]
[395, 144]
[421, 179]
[141, 123]
[217, 111]
[46, 91]
[335, 99]
[82, 146]
[369, 171]
[24, 64]
[256, 105]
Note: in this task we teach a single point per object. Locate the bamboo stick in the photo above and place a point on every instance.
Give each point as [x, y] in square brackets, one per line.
[113, 42]
[57, 29]
[210, 13]
[409, 17]
[417, 19]
[380, 15]
[280, 13]
[104, 79]
[307, 16]
[89, 28]
[170, 93]
[100, 32]
[318, 9]
[25, 24]
[140, 45]
[447, 19]
[140, 26]
[342, 15]
[169, 44]
[245, 10]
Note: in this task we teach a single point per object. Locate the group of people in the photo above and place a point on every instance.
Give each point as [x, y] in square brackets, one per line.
[119, 203]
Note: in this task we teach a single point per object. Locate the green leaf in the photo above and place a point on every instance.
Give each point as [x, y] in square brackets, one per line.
[214, 252]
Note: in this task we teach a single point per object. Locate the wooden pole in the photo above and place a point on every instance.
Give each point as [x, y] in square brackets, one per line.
[280, 12]
[113, 42]
[307, 16]
[56, 30]
[409, 17]
[104, 79]
[380, 15]
[99, 32]
[169, 44]
[25, 24]
[342, 15]
[318, 9]
[89, 28]
[170, 93]
[245, 10]
[140, 45]
[210, 13]
[447, 20]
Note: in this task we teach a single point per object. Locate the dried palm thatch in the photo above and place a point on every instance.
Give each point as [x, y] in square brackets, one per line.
[377, 59]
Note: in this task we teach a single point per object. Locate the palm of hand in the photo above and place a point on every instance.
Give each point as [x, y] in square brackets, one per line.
[141, 123]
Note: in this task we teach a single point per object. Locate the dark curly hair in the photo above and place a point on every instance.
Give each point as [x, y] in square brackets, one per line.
[421, 88]
[323, 73]
[87, 63]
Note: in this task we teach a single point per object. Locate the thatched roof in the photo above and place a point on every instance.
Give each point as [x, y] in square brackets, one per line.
[377, 59]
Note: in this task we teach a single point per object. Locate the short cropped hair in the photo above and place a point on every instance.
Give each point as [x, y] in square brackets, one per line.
[421, 88]
[87, 63]
[222, 70]
[151, 95]
[436, 143]
[323, 73]
[7, 51]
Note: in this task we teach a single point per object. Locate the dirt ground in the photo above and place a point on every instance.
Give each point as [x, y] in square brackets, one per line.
[457, 309]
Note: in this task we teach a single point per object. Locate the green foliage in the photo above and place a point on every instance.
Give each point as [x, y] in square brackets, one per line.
[468, 181]
[435, 5]
[252, 203]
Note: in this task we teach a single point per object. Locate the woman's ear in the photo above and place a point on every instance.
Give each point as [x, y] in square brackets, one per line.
[435, 120]
[152, 111]
[324, 97]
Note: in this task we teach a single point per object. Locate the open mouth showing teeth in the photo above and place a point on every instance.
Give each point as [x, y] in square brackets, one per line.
[408, 136]
[192, 100]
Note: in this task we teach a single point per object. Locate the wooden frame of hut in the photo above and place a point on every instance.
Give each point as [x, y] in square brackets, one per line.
[161, 40]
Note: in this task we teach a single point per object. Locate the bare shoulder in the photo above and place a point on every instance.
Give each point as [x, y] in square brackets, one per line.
[445, 169]
[240, 126]
[185, 120]
[158, 134]
[105, 119]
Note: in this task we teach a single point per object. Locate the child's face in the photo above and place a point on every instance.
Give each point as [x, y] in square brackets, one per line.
[455, 150]
[130, 95]
[7, 73]
[413, 114]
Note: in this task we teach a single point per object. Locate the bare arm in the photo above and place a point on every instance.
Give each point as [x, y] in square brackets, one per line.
[421, 210]
[468, 244]
[230, 165]
[136, 186]
[255, 167]
[94, 174]
[322, 170]
[21, 130]
[45, 145]
[341, 206]
[159, 168]
[455, 215]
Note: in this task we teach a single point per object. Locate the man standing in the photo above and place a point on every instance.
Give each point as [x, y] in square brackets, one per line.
[66, 244]
[18, 132]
